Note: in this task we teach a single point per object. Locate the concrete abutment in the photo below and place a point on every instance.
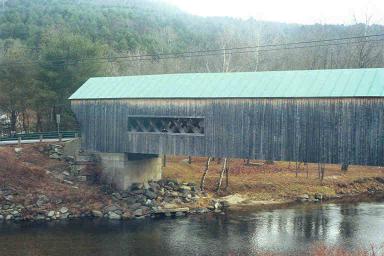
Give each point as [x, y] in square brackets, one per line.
[124, 169]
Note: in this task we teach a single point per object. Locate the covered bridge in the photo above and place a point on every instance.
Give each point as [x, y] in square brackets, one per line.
[330, 116]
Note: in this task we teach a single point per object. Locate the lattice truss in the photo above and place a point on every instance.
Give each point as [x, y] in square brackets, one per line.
[166, 124]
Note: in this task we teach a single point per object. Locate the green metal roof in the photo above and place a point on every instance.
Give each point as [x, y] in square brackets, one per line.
[268, 84]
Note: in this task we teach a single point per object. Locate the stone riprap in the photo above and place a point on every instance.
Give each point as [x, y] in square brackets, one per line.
[160, 198]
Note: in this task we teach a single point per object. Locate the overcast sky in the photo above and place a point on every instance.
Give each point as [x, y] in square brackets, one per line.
[291, 11]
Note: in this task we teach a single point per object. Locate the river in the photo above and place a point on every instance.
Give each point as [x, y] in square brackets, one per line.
[290, 231]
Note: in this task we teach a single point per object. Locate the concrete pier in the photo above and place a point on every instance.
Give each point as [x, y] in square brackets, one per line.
[123, 169]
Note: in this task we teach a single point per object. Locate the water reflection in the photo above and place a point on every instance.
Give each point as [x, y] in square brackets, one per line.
[284, 230]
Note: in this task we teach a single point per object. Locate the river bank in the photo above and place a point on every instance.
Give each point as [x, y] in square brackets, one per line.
[304, 229]
[37, 184]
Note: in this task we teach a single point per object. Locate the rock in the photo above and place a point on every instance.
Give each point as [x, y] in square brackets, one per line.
[174, 210]
[114, 216]
[8, 197]
[1, 217]
[97, 214]
[303, 198]
[225, 204]
[68, 182]
[111, 208]
[43, 199]
[117, 196]
[130, 200]
[18, 150]
[54, 156]
[318, 196]
[217, 205]
[141, 199]
[138, 212]
[135, 206]
[169, 206]
[137, 186]
[174, 194]
[126, 215]
[82, 178]
[66, 173]
[51, 214]
[185, 188]
[149, 194]
[201, 210]
[179, 214]
[153, 186]
[63, 210]
[64, 216]
[9, 217]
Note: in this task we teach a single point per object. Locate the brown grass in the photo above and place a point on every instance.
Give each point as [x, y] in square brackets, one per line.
[30, 174]
[278, 180]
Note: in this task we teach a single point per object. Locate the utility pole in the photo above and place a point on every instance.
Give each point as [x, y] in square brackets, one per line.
[58, 123]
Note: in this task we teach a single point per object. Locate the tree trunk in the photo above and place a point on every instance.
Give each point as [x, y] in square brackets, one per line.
[13, 120]
[205, 174]
[39, 122]
[164, 160]
[227, 177]
[189, 160]
[222, 174]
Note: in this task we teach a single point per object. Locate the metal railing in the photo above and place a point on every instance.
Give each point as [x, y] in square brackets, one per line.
[41, 136]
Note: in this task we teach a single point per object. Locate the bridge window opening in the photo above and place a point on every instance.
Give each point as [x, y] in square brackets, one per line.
[170, 125]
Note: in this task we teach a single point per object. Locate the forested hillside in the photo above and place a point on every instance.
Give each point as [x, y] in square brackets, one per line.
[50, 47]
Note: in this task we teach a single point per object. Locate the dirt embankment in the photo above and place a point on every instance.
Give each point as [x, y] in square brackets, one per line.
[35, 187]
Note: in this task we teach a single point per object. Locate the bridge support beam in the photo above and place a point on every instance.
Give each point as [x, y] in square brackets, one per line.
[124, 169]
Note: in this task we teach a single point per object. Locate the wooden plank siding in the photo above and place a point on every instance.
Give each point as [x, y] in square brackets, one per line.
[330, 130]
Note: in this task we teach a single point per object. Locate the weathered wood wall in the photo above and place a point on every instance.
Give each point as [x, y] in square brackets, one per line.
[332, 130]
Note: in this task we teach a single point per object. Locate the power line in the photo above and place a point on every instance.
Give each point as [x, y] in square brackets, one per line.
[247, 47]
[156, 57]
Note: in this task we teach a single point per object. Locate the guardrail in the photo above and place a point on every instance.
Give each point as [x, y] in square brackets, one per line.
[41, 136]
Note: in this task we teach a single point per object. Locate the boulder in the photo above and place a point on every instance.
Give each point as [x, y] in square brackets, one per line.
[137, 186]
[114, 216]
[43, 199]
[126, 215]
[117, 196]
[135, 206]
[97, 214]
[111, 208]
[185, 188]
[63, 210]
[149, 194]
[8, 197]
[303, 198]
[64, 216]
[139, 212]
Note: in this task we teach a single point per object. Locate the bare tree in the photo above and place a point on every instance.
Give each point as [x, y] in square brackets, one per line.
[205, 174]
